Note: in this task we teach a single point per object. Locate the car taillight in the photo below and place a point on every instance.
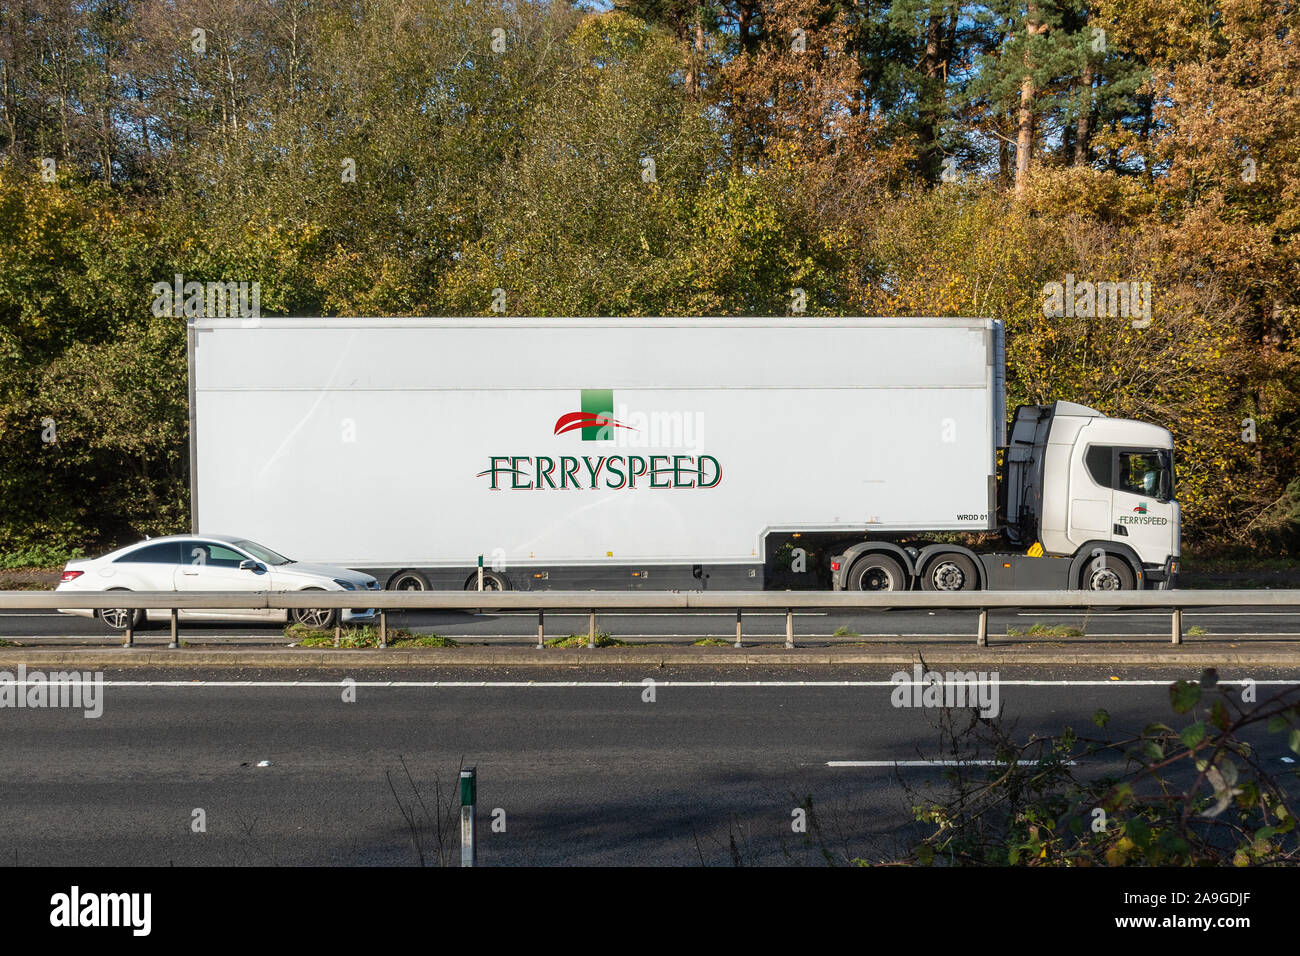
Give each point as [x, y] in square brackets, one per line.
[70, 576]
[835, 565]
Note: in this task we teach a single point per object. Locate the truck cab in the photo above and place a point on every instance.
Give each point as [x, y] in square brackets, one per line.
[1081, 485]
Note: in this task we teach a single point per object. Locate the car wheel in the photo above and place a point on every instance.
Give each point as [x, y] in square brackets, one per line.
[314, 617]
[877, 572]
[950, 572]
[117, 618]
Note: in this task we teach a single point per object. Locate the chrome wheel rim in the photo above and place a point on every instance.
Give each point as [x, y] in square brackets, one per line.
[116, 616]
[312, 616]
[948, 576]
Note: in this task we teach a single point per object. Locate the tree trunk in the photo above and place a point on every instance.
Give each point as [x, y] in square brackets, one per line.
[1025, 126]
[1024, 134]
[1082, 125]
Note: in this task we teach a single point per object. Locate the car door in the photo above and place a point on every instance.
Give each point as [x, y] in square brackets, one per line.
[214, 566]
[148, 568]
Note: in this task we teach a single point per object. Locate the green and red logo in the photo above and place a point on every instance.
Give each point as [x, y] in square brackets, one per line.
[1140, 508]
[613, 472]
[596, 418]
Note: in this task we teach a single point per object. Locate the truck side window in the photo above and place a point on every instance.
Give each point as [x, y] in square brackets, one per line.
[1139, 472]
[1097, 459]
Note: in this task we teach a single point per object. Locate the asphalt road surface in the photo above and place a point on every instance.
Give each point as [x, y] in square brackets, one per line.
[675, 627]
[573, 767]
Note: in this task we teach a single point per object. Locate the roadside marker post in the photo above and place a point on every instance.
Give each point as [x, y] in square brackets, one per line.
[480, 572]
[468, 799]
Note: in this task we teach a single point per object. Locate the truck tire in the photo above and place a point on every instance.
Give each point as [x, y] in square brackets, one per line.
[950, 572]
[408, 581]
[314, 617]
[877, 572]
[492, 581]
[1108, 572]
[116, 618]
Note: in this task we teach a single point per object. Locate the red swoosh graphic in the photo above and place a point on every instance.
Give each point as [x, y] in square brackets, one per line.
[567, 423]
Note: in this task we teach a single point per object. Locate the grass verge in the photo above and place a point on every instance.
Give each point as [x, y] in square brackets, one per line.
[1045, 630]
[603, 639]
[367, 635]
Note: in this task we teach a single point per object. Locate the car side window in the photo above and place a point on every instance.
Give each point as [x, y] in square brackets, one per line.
[224, 557]
[166, 552]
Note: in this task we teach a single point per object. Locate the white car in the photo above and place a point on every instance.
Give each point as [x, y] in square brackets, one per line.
[210, 562]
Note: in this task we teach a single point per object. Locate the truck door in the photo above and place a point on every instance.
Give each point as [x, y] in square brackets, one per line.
[1143, 508]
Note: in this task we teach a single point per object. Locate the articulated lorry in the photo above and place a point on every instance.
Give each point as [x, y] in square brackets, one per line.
[667, 453]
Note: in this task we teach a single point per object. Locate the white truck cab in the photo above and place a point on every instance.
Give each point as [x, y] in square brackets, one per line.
[1079, 483]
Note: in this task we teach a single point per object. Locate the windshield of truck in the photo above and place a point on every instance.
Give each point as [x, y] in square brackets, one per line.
[263, 554]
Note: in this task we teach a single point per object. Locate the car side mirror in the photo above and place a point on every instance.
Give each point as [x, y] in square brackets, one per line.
[248, 564]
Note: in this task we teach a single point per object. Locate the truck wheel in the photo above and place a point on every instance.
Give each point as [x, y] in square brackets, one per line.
[950, 572]
[313, 617]
[1107, 573]
[117, 618]
[877, 572]
[408, 581]
[492, 581]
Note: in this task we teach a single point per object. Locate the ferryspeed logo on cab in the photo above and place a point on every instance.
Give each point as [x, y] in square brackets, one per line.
[615, 472]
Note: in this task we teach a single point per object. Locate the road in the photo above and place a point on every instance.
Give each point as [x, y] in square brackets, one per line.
[676, 627]
[584, 767]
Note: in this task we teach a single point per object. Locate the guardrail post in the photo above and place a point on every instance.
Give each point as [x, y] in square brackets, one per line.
[789, 628]
[128, 636]
[338, 629]
[383, 629]
[1178, 626]
[591, 631]
[982, 635]
[738, 627]
[468, 799]
[175, 639]
[541, 629]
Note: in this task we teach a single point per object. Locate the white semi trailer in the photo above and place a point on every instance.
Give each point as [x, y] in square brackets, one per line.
[663, 453]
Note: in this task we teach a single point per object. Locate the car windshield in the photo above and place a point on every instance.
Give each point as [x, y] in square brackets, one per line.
[263, 554]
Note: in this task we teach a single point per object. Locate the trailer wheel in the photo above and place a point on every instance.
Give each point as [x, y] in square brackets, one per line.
[314, 617]
[877, 572]
[408, 581]
[117, 618]
[492, 581]
[950, 572]
[1107, 572]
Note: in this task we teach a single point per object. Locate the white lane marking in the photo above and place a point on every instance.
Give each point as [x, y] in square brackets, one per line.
[935, 763]
[658, 683]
